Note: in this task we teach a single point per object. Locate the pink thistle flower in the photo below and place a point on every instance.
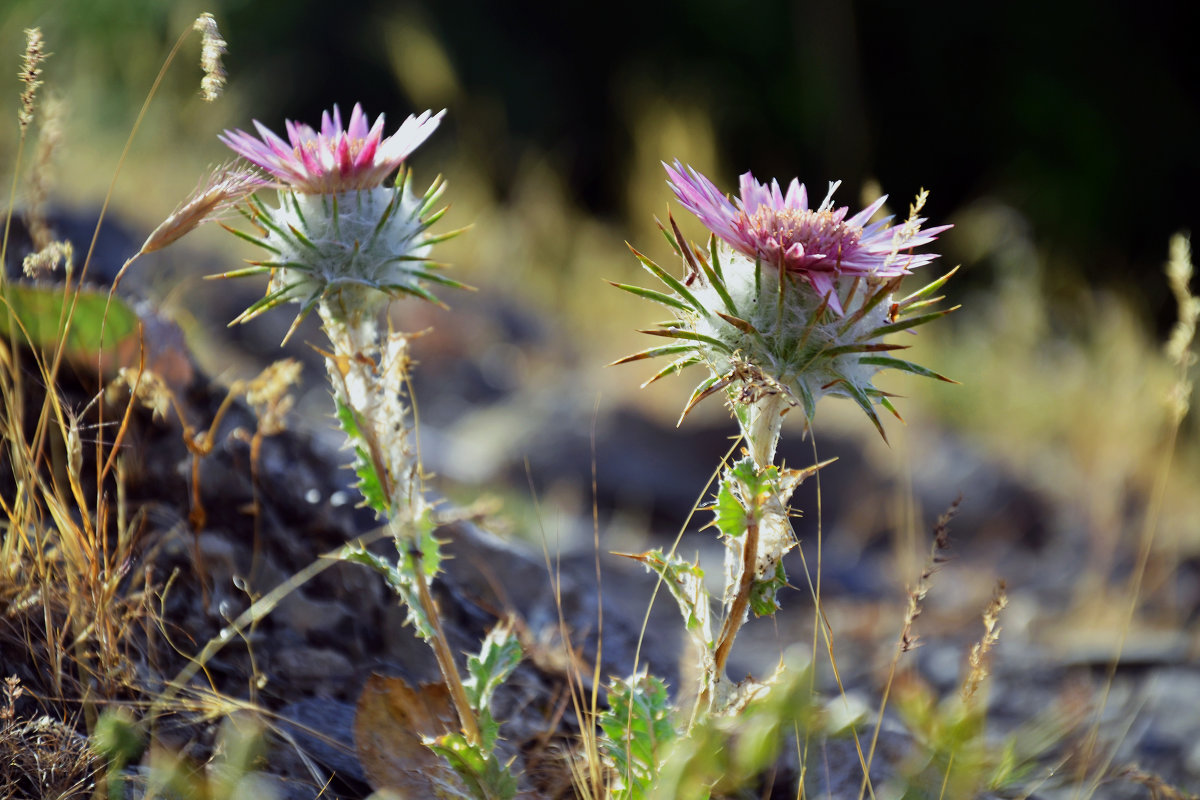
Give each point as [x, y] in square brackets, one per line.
[818, 244]
[336, 159]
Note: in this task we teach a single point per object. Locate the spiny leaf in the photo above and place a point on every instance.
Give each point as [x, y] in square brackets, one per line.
[732, 518]
[764, 600]
[688, 256]
[714, 251]
[886, 403]
[485, 777]
[268, 301]
[859, 396]
[874, 300]
[238, 273]
[672, 368]
[650, 294]
[927, 290]
[416, 291]
[806, 399]
[710, 386]
[670, 280]
[910, 322]
[862, 347]
[670, 237]
[718, 283]
[440, 279]
[305, 310]
[499, 655]
[637, 732]
[905, 366]
[741, 324]
[673, 333]
[252, 239]
[370, 484]
[685, 581]
[301, 238]
[655, 352]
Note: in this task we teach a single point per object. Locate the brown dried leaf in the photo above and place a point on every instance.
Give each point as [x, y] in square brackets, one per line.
[389, 723]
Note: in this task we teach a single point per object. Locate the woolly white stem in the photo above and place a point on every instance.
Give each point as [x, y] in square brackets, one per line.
[763, 420]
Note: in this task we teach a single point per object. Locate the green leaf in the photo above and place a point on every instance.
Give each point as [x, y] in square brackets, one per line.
[402, 583]
[433, 277]
[675, 333]
[904, 366]
[927, 290]
[764, 593]
[482, 773]
[732, 516]
[40, 311]
[370, 483]
[858, 395]
[637, 731]
[673, 367]
[671, 281]
[499, 655]
[655, 352]
[910, 322]
[650, 294]
[707, 387]
[685, 581]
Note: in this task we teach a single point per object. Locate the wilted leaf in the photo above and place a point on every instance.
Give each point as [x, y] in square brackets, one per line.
[390, 721]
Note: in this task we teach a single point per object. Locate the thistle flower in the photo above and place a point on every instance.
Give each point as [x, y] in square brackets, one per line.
[336, 159]
[818, 244]
[787, 303]
[339, 239]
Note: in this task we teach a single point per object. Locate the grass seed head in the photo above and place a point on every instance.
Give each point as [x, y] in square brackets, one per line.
[211, 49]
[30, 74]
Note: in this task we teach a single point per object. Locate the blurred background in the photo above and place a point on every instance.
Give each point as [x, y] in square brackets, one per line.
[1059, 138]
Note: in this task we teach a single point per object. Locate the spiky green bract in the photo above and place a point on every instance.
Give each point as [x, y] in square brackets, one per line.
[478, 766]
[424, 553]
[637, 731]
[349, 251]
[771, 344]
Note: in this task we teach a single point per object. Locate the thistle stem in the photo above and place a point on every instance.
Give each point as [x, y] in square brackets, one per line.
[741, 600]
[764, 418]
[445, 659]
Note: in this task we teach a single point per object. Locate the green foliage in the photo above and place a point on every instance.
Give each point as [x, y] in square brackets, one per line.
[685, 582]
[370, 484]
[481, 772]
[37, 314]
[477, 764]
[498, 656]
[764, 594]
[637, 730]
[726, 753]
[741, 495]
[402, 575]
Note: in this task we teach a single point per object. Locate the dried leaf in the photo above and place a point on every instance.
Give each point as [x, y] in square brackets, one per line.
[390, 721]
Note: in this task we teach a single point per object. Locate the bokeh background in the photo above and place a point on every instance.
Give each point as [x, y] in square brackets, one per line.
[1059, 138]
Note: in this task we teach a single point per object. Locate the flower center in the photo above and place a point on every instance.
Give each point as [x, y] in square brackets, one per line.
[819, 232]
